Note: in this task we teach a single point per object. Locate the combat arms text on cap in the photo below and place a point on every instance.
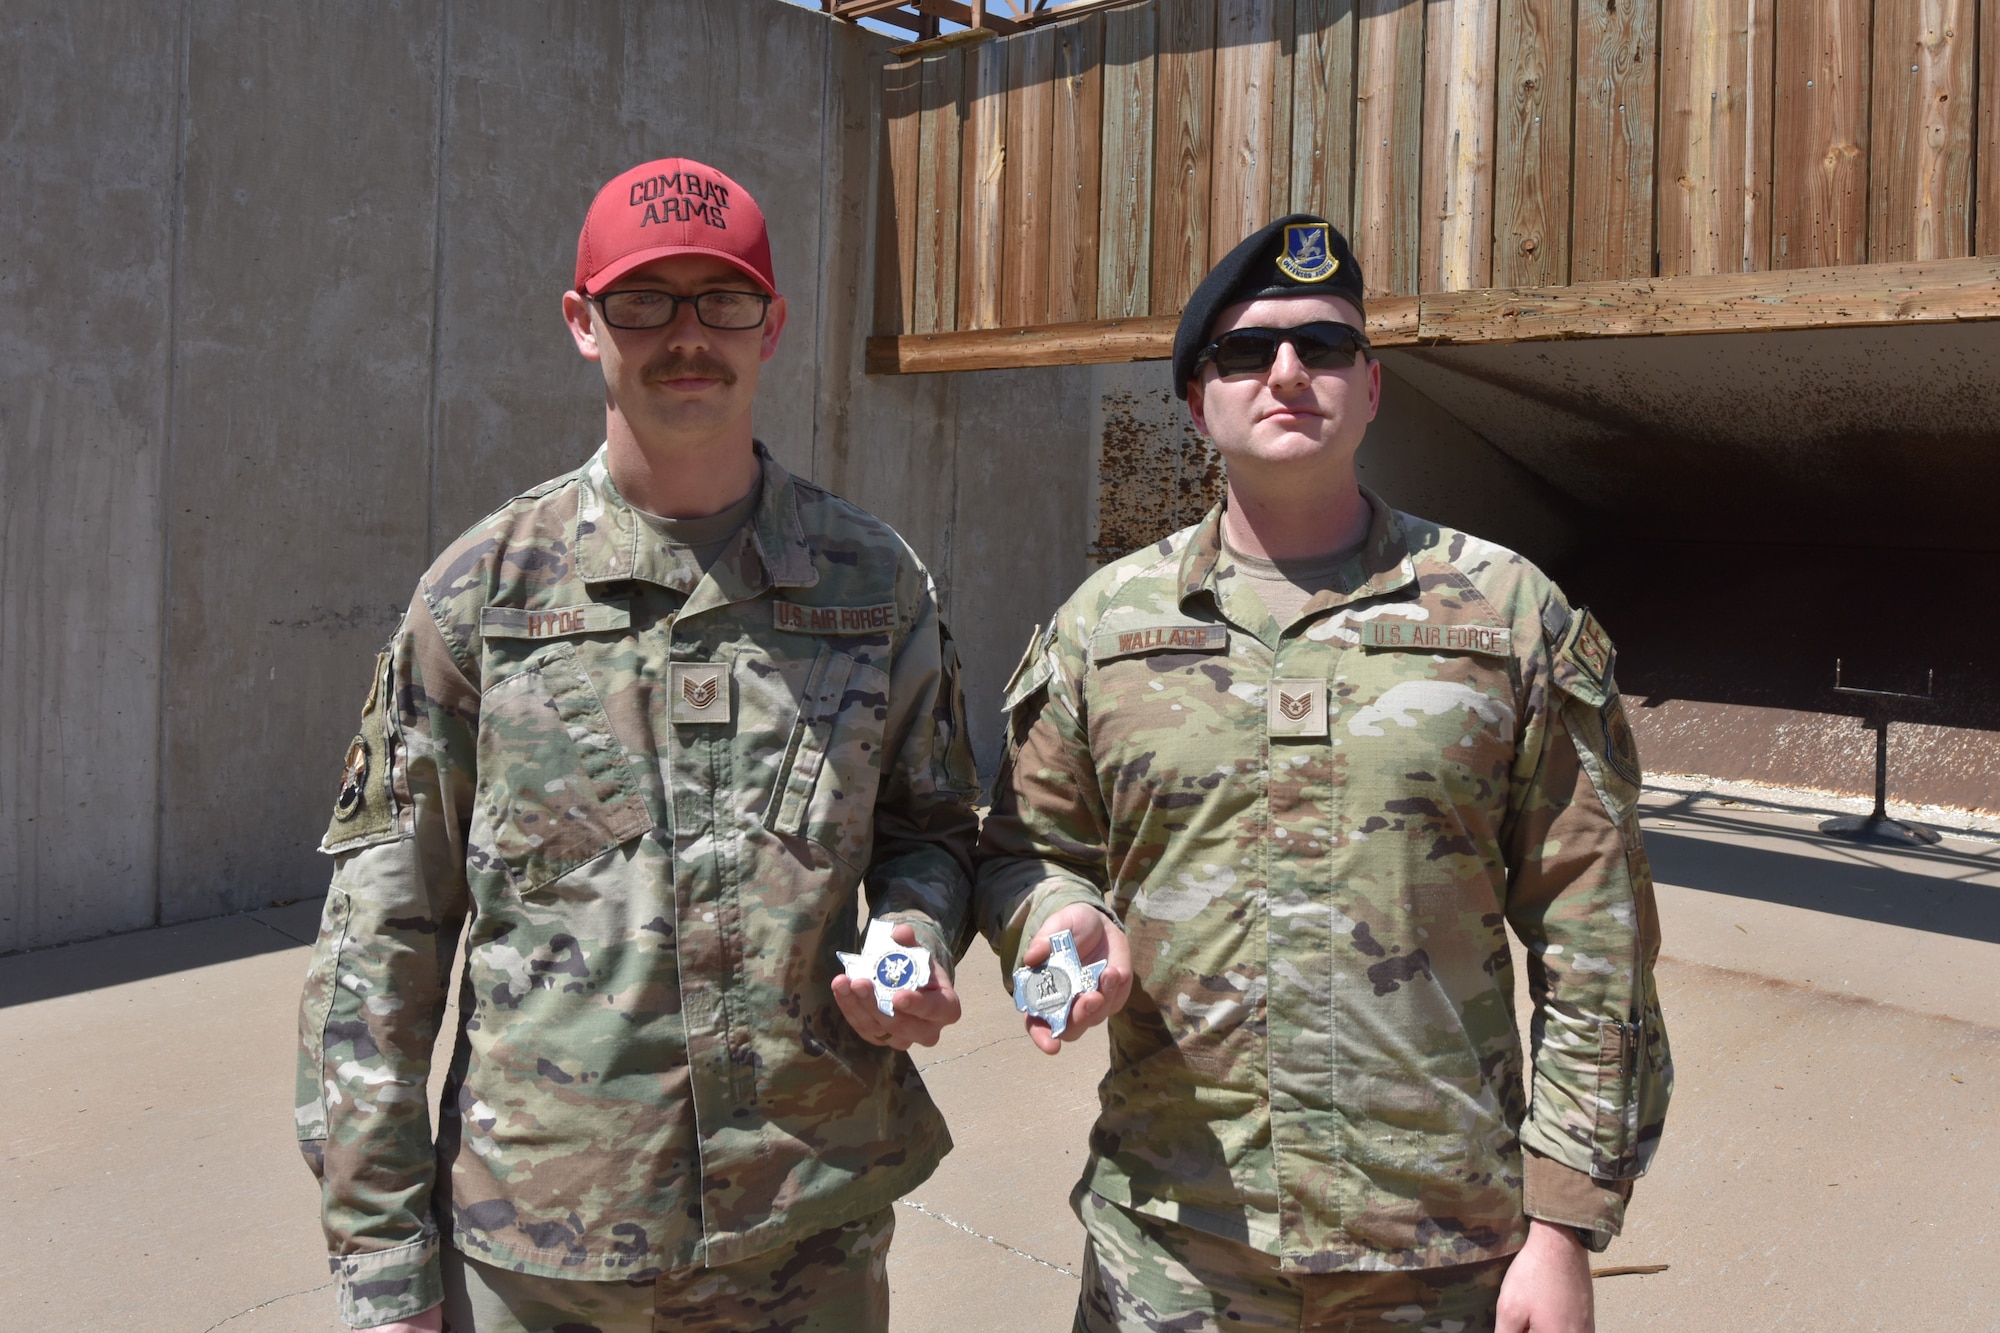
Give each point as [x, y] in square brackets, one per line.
[1298, 255]
[674, 206]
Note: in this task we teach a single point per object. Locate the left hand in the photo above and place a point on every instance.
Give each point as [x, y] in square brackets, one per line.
[1547, 1287]
[921, 1015]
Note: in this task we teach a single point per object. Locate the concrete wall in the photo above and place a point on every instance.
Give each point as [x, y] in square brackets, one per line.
[280, 318]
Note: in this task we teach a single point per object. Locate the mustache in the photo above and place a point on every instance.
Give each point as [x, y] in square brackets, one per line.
[690, 367]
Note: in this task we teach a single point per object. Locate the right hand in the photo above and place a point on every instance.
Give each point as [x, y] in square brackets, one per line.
[430, 1321]
[1097, 937]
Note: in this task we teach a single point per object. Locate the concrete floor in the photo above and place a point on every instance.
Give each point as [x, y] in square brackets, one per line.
[1832, 1161]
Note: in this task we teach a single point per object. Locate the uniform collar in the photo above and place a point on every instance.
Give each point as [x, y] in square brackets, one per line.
[1382, 565]
[613, 543]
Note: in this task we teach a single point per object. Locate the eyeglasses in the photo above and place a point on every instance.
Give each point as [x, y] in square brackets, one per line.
[646, 309]
[1321, 345]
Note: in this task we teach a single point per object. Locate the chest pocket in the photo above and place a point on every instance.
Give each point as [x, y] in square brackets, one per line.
[825, 789]
[555, 786]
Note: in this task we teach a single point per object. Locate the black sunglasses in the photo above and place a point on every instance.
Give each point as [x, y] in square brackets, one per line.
[1321, 345]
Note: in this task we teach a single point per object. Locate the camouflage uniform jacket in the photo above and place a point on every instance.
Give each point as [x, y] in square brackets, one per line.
[1316, 836]
[651, 795]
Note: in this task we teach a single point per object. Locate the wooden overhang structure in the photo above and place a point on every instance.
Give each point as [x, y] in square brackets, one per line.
[1507, 170]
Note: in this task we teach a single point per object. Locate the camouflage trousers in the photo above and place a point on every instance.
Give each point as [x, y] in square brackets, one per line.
[834, 1282]
[1145, 1273]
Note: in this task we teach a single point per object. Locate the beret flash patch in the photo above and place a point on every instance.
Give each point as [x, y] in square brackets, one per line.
[1307, 256]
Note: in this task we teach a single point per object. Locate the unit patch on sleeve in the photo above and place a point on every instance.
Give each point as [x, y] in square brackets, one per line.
[1591, 648]
[1495, 640]
[834, 619]
[362, 809]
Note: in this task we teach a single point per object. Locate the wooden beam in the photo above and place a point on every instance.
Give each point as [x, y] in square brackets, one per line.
[1855, 296]
[1859, 296]
[1391, 322]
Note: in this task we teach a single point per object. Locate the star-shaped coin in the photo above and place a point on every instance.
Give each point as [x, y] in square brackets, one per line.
[1046, 991]
[889, 965]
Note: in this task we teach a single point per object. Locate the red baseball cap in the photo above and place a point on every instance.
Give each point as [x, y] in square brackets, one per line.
[674, 206]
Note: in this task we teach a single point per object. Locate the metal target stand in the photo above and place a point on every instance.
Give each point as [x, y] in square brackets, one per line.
[1876, 826]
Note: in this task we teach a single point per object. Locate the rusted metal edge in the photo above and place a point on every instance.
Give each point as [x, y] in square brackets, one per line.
[1858, 296]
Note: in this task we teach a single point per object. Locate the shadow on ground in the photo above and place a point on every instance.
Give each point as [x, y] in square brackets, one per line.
[68, 969]
[1948, 890]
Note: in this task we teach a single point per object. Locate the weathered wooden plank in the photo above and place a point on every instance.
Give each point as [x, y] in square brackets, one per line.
[1934, 292]
[1278, 194]
[1183, 138]
[1461, 54]
[1819, 142]
[1078, 94]
[1920, 155]
[1322, 175]
[1246, 61]
[1391, 322]
[1715, 136]
[1941, 291]
[1388, 133]
[896, 218]
[1024, 287]
[1531, 164]
[941, 126]
[1125, 211]
[1986, 170]
[982, 164]
[1617, 90]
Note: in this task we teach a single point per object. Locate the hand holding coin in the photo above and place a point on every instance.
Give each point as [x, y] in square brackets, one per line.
[1096, 942]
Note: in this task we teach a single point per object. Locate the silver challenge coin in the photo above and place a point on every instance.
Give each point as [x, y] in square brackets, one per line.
[889, 966]
[1046, 992]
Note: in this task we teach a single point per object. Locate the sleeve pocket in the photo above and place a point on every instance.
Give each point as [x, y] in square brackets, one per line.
[1634, 1081]
[315, 1006]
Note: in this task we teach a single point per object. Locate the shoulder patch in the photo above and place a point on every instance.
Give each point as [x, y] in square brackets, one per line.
[363, 811]
[1167, 637]
[1585, 660]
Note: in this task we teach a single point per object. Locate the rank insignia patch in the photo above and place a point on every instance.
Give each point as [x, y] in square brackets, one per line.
[700, 691]
[1307, 257]
[1297, 708]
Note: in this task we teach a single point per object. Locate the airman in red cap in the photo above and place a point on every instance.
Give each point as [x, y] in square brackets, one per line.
[647, 737]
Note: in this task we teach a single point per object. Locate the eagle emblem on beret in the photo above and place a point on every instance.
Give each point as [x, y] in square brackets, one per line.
[1307, 256]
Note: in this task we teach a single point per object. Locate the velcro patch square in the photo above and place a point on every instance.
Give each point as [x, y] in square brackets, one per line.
[1297, 708]
[700, 691]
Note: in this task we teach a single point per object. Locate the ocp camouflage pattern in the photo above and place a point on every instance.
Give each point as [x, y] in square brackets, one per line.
[652, 1073]
[1320, 1056]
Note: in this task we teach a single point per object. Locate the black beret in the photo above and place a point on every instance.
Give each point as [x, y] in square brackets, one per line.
[1298, 255]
